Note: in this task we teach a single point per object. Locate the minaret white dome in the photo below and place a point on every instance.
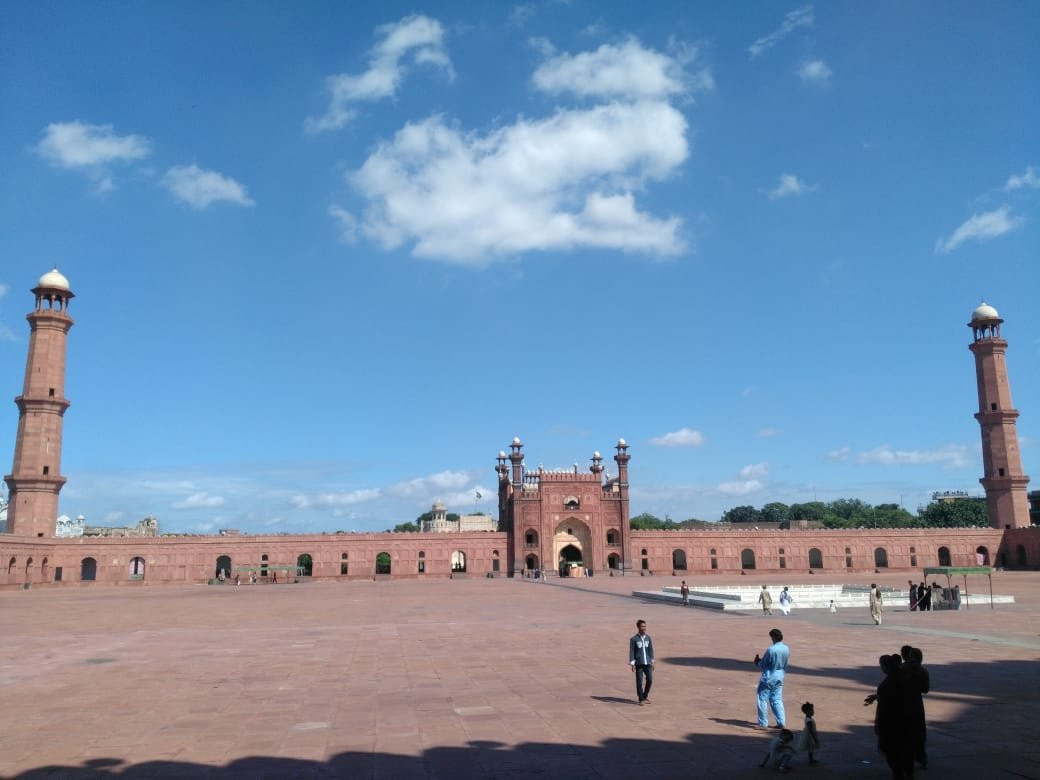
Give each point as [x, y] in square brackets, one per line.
[984, 312]
[54, 280]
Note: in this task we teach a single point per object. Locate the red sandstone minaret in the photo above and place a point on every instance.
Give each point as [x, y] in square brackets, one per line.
[1003, 479]
[35, 479]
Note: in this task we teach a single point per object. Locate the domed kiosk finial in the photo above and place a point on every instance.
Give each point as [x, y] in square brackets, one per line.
[985, 322]
[54, 280]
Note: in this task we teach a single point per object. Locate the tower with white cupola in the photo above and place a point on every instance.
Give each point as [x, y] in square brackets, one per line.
[564, 522]
[35, 479]
[1003, 479]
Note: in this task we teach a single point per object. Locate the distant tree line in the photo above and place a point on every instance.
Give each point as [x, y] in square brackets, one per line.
[842, 513]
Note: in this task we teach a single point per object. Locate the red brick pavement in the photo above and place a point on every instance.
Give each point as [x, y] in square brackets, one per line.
[484, 679]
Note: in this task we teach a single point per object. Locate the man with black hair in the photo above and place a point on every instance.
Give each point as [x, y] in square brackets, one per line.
[773, 664]
[641, 659]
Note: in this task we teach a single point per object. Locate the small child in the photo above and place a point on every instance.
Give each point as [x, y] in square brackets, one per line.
[809, 739]
[780, 751]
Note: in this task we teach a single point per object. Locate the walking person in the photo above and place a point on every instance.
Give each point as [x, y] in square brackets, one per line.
[876, 603]
[913, 595]
[765, 598]
[773, 664]
[685, 591]
[786, 600]
[641, 659]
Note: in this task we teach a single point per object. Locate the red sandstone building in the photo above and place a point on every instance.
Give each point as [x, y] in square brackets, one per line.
[553, 522]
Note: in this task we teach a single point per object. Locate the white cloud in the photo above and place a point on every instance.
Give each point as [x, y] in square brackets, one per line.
[419, 36]
[431, 485]
[348, 224]
[755, 471]
[684, 437]
[800, 17]
[199, 501]
[625, 70]
[768, 432]
[841, 454]
[4, 290]
[814, 72]
[789, 185]
[199, 188]
[1027, 180]
[557, 183]
[952, 456]
[334, 501]
[741, 488]
[980, 227]
[82, 145]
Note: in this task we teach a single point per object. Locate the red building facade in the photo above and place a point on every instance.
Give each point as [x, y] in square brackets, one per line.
[568, 523]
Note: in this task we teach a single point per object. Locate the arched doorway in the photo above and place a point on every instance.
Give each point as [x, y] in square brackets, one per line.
[137, 568]
[679, 560]
[614, 561]
[982, 556]
[747, 558]
[383, 563]
[570, 557]
[28, 570]
[88, 569]
[531, 562]
[880, 558]
[44, 570]
[458, 562]
[815, 558]
[944, 556]
[223, 565]
[304, 565]
[572, 533]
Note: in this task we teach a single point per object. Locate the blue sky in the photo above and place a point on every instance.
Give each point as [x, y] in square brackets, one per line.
[330, 258]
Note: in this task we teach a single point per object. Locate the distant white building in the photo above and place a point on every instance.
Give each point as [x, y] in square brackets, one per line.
[439, 522]
[67, 528]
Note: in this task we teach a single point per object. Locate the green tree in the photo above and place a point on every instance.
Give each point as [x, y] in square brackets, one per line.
[955, 514]
[647, 522]
[405, 528]
[813, 510]
[776, 512]
[894, 516]
[741, 514]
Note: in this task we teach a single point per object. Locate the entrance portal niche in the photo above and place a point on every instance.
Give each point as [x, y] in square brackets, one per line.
[572, 545]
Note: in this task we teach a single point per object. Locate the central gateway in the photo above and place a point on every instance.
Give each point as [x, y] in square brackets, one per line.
[564, 522]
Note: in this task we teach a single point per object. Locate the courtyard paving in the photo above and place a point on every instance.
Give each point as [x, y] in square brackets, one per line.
[479, 678]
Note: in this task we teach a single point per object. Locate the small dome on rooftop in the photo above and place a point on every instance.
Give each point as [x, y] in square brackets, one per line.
[622, 443]
[984, 312]
[516, 440]
[53, 279]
